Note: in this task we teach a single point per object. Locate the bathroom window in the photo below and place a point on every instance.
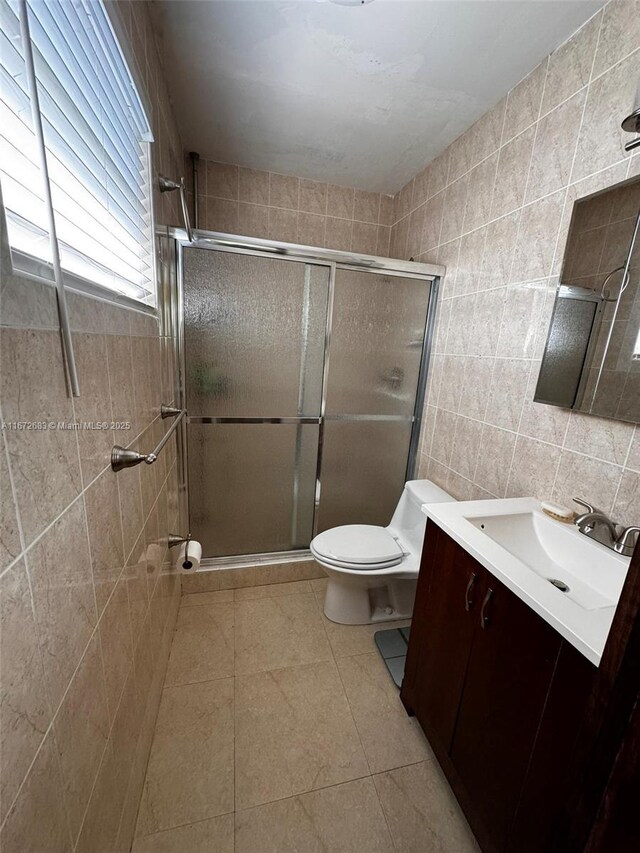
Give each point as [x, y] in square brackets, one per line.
[97, 139]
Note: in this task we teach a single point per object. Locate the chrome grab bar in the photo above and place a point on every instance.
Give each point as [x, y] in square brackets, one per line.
[167, 185]
[122, 457]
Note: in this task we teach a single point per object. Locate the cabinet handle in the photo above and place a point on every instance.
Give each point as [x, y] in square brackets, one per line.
[468, 601]
[484, 615]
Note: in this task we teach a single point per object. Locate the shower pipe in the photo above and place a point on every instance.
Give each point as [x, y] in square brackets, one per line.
[194, 165]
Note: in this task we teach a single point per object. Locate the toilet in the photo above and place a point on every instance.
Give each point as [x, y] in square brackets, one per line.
[373, 570]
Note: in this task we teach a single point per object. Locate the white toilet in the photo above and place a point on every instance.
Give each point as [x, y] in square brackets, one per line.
[372, 570]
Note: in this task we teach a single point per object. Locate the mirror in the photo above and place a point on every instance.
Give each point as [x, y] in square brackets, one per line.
[591, 360]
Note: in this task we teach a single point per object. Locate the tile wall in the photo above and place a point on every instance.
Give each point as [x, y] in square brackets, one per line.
[254, 203]
[495, 209]
[88, 599]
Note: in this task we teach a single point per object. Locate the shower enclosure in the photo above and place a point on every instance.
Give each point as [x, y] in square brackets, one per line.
[303, 377]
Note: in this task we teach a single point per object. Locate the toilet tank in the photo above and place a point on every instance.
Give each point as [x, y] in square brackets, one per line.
[409, 522]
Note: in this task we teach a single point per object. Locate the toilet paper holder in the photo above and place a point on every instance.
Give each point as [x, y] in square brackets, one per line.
[175, 539]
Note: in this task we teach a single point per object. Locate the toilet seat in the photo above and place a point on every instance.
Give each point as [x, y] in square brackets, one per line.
[358, 546]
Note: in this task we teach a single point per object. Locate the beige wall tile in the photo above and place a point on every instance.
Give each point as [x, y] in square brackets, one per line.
[366, 206]
[93, 405]
[455, 200]
[364, 238]
[338, 233]
[554, 147]
[620, 34]
[283, 225]
[44, 462]
[24, 709]
[537, 236]
[64, 602]
[386, 210]
[570, 65]
[494, 459]
[116, 644]
[38, 820]
[222, 180]
[105, 535]
[311, 229]
[591, 479]
[221, 215]
[313, 197]
[626, 508]
[81, 729]
[253, 220]
[283, 191]
[340, 201]
[9, 533]
[512, 173]
[253, 186]
[480, 194]
[523, 101]
[601, 140]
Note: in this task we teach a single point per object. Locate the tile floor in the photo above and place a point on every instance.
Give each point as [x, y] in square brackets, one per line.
[282, 732]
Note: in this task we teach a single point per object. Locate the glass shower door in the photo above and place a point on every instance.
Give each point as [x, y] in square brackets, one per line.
[377, 342]
[254, 340]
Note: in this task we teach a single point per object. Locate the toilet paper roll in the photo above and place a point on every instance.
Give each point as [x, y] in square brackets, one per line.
[188, 557]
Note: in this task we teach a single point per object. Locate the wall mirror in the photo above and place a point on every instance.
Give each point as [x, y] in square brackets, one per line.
[591, 360]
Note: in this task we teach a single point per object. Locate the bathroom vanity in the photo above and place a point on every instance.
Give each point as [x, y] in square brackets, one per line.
[499, 667]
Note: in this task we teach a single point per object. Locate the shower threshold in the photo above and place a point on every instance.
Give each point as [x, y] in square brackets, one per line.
[244, 560]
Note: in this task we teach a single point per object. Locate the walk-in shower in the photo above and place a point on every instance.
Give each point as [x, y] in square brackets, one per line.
[303, 376]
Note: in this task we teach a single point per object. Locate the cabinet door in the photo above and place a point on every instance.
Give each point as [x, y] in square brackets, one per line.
[508, 677]
[448, 617]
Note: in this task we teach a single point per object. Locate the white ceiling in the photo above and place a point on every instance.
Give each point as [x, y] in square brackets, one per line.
[358, 95]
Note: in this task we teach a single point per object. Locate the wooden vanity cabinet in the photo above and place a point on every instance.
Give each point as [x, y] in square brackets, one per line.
[480, 679]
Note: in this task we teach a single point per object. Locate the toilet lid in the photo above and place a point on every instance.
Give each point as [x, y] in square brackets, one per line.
[358, 543]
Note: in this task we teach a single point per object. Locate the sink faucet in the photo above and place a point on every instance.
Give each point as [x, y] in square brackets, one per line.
[595, 524]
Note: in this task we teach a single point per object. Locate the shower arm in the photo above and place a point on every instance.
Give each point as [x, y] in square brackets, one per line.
[167, 185]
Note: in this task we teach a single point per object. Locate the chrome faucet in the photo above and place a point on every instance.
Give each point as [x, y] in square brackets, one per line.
[595, 524]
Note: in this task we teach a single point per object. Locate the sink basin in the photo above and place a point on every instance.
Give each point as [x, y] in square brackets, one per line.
[554, 552]
[568, 579]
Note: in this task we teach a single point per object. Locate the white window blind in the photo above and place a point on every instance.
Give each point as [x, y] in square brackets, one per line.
[97, 140]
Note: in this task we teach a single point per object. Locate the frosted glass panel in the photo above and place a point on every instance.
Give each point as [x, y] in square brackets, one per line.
[254, 335]
[376, 343]
[243, 481]
[363, 470]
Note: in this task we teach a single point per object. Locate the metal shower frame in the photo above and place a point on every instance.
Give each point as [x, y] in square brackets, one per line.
[333, 260]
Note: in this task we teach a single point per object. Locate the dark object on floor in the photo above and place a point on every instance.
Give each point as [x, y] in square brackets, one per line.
[392, 645]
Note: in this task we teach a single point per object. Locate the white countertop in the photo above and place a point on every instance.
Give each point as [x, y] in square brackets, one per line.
[587, 630]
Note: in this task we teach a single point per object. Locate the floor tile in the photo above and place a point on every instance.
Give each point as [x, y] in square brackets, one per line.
[319, 587]
[202, 646]
[190, 772]
[342, 819]
[422, 812]
[217, 596]
[278, 632]
[389, 736]
[294, 733]
[347, 640]
[271, 590]
[206, 836]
